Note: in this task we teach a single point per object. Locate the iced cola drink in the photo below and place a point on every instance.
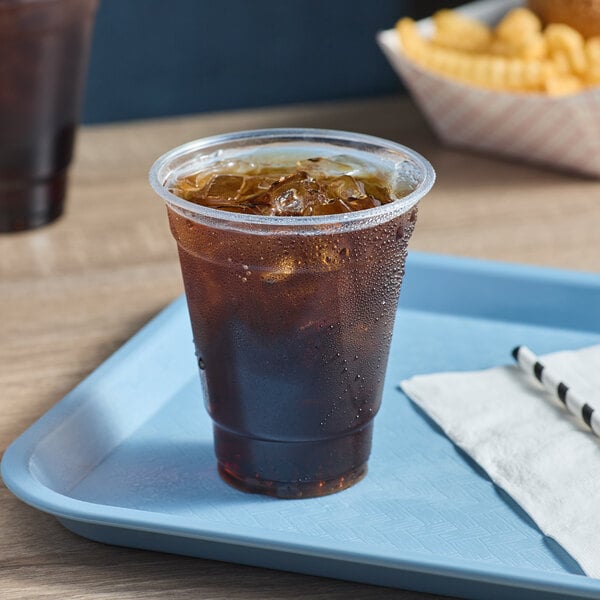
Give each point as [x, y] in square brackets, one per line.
[292, 246]
[43, 59]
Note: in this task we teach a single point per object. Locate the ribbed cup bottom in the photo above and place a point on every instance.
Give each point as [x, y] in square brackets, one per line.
[293, 469]
[30, 204]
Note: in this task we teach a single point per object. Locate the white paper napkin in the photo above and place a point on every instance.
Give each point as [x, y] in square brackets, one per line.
[528, 443]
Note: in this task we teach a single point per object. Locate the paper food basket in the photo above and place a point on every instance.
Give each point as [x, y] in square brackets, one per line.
[562, 132]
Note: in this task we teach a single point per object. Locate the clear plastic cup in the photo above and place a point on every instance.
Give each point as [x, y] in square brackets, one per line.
[43, 63]
[292, 316]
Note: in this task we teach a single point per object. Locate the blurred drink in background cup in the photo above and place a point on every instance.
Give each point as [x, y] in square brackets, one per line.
[43, 61]
[292, 315]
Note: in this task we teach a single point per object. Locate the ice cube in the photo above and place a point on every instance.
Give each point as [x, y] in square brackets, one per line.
[294, 195]
[332, 207]
[377, 191]
[363, 203]
[223, 187]
[252, 193]
[187, 189]
[231, 166]
[290, 202]
[345, 187]
[329, 167]
[404, 179]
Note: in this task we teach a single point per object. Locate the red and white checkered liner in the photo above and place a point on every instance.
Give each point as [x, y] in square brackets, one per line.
[561, 132]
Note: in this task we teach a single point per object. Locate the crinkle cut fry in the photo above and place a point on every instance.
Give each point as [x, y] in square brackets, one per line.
[516, 56]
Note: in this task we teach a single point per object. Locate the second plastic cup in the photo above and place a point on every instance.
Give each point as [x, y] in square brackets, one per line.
[43, 63]
[292, 316]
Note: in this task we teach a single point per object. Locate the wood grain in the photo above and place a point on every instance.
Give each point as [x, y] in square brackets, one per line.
[73, 292]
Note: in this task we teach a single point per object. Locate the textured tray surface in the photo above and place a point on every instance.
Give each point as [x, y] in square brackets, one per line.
[131, 446]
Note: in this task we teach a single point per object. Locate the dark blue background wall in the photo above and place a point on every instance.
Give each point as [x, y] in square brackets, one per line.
[162, 57]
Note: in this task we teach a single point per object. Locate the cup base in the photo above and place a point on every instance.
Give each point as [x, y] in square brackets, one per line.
[292, 490]
[293, 469]
[31, 204]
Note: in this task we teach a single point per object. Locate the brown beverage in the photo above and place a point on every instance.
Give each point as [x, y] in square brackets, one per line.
[42, 68]
[292, 274]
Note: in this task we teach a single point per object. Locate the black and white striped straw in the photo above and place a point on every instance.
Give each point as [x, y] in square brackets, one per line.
[530, 363]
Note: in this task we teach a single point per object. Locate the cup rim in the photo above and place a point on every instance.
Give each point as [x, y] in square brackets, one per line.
[297, 134]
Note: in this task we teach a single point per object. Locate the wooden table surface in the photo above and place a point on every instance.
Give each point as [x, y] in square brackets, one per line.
[73, 292]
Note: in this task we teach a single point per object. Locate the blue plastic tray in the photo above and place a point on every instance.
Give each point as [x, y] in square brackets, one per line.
[126, 457]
